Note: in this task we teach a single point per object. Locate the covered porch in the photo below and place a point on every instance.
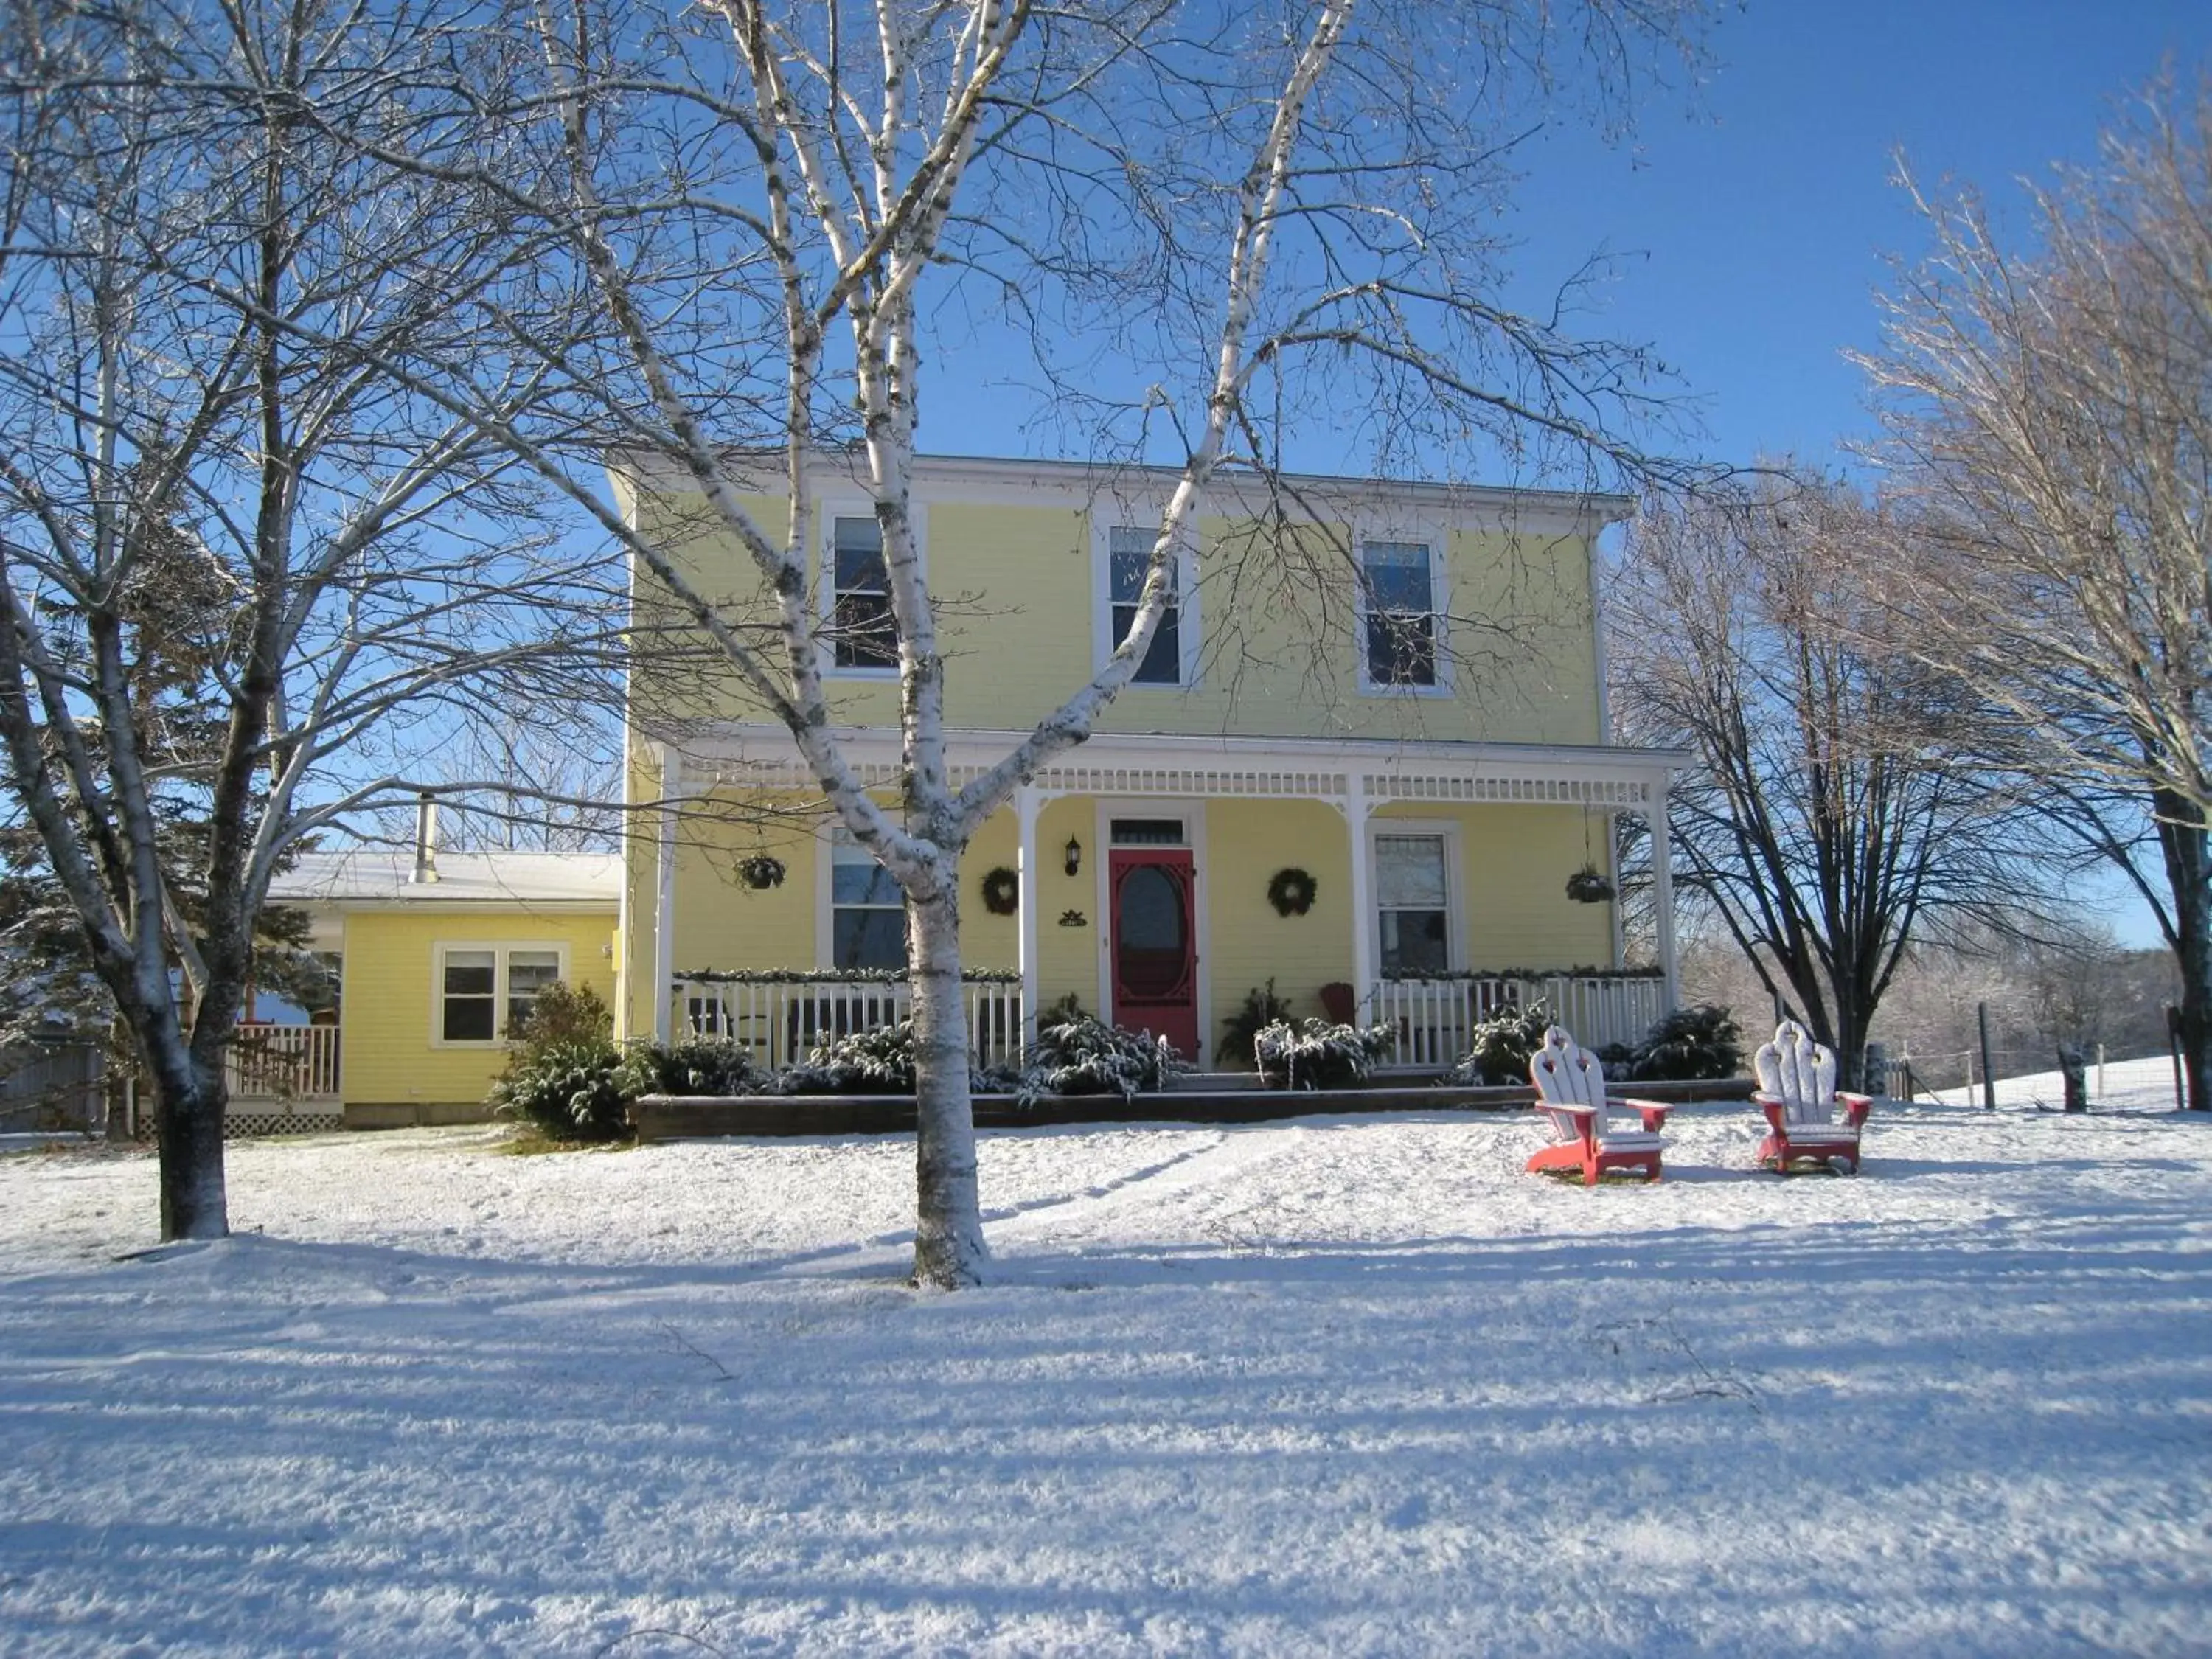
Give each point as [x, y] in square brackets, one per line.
[1140, 874]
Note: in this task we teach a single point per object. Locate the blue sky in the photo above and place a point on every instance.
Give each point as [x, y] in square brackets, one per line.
[1752, 226]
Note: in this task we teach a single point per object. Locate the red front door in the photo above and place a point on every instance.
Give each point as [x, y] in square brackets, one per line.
[1155, 943]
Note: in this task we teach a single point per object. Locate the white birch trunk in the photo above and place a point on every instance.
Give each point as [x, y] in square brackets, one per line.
[949, 1252]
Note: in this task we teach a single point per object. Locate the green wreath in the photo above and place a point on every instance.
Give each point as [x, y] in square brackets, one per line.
[1292, 892]
[1002, 891]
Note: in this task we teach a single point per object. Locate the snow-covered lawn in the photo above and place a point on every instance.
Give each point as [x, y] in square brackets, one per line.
[1324, 1386]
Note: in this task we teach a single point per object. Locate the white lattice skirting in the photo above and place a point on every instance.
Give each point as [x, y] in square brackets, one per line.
[239, 1126]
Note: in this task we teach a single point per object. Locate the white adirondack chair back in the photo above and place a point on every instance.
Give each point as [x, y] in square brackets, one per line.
[1566, 1074]
[1799, 1073]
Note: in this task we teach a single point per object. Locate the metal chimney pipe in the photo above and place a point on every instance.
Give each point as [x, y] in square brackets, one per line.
[426, 838]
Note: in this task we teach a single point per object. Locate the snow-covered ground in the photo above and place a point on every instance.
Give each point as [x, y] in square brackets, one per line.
[1324, 1387]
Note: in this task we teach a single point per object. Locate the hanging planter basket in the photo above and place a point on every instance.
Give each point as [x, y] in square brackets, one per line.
[1589, 885]
[760, 872]
[1292, 892]
[1002, 891]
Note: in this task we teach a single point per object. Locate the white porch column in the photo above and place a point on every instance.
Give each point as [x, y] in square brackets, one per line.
[1026, 869]
[1662, 888]
[1362, 898]
[664, 910]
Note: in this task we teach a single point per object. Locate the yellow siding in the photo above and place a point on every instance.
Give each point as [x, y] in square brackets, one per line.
[1015, 587]
[1068, 957]
[1246, 843]
[387, 1051]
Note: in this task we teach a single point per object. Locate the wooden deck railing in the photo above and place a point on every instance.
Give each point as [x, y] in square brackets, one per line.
[1435, 1018]
[282, 1062]
[781, 1019]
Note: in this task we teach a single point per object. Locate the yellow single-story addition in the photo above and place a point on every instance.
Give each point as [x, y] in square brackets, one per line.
[434, 955]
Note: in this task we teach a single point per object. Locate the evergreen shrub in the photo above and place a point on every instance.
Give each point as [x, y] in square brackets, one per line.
[1690, 1045]
[564, 1073]
[1086, 1056]
[1316, 1053]
[693, 1065]
[1262, 1009]
[1500, 1048]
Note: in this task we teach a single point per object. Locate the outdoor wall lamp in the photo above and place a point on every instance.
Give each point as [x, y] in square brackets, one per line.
[1074, 855]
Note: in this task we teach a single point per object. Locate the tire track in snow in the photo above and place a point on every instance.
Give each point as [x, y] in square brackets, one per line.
[1228, 1157]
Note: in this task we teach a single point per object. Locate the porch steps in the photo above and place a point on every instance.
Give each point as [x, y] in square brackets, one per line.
[667, 1117]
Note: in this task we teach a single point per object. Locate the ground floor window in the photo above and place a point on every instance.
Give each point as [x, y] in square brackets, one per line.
[1412, 902]
[867, 912]
[484, 990]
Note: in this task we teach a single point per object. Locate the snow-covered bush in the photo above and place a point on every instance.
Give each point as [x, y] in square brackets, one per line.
[564, 1072]
[692, 1065]
[572, 1090]
[1689, 1045]
[1315, 1054]
[877, 1061]
[1085, 1056]
[1500, 1048]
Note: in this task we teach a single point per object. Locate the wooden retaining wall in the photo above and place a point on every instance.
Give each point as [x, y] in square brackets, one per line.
[669, 1117]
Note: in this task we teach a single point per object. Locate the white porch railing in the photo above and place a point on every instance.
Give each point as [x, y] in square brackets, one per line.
[781, 1019]
[1435, 1018]
[282, 1062]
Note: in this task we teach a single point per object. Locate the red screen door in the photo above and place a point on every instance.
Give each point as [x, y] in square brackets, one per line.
[1155, 943]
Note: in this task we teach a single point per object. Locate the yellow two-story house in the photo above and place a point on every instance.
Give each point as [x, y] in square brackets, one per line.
[1363, 759]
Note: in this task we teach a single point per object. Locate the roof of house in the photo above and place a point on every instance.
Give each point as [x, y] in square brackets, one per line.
[386, 876]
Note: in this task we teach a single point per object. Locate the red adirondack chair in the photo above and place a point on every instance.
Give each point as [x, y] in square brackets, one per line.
[1590, 1133]
[1808, 1119]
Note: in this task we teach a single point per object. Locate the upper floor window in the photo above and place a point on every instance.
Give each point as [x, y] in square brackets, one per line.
[1398, 587]
[862, 632]
[867, 912]
[1129, 553]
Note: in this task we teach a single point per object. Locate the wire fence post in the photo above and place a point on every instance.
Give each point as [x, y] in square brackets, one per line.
[1989, 1076]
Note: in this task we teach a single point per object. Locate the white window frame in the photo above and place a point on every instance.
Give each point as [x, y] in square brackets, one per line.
[1447, 830]
[827, 512]
[1434, 535]
[834, 835]
[1108, 515]
[500, 950]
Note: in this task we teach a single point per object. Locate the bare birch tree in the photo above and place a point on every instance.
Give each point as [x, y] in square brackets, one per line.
[232, 546]
[1830, 821]
[1261, 215]
[2050, 412]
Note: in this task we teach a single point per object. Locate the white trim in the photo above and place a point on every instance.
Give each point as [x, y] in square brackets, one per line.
[1600, 659]
[1663, 894]
[1026, 880]
[501, 950]
[664, 915]
[1456, 918]
[1435, 535]
[1113, 510]
[833, 835]
[1195, 840]
[1128, 765]
[828, 509]
[1366, 941]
